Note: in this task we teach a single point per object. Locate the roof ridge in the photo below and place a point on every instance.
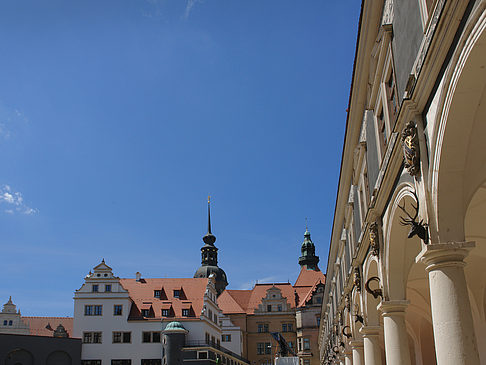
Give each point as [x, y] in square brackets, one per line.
[67, 317]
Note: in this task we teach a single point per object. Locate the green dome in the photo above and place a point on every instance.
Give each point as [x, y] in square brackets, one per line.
[175, 326]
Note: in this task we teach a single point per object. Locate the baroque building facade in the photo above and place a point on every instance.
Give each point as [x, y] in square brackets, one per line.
[405, 276]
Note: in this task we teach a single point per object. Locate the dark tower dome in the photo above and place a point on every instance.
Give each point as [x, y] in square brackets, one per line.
[209, 259]
[308, 258]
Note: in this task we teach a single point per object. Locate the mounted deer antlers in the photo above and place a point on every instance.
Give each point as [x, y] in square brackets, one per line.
[418, 228]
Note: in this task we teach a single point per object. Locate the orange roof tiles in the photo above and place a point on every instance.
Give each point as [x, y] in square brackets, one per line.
[37, 325]
[309, 277]
[193, 290]
[246, 301]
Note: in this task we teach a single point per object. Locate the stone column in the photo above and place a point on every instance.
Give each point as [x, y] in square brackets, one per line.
[371, 341]
[348, 357]
[395, 332]
[357, 349]
[455, 340]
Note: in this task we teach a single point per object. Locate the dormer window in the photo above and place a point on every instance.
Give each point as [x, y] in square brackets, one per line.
[177, 293]
[95, 288]
[108, 288]
[156, 293]
[165, 312]
[185, 312]
[145, 312]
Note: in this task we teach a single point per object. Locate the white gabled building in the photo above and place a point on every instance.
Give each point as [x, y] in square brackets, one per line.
[121, 320]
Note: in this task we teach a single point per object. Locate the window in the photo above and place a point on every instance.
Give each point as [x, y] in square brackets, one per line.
[185, 312]
[318, 300]
[382, 131]
[268, 348]
[202, 354]
[5, 322]
[226, 338]
[117, 310]
[88, 310]
[262, 327]
[90, 362]
[291, 344]
[121, 362]
[207, 337]
[93, 310]
[260, 348]
[151, 337]
[108, 287]
[165, 312]
[157, 293]
[287, 327]
[299, 344]
[391, 95]
[177, 293]
[122, 337]
[269, 307]
[95, 288]
[145, 312]
[279, 307]
[306, 344]
[318, 321]
[91, 337]
[307, 362]
[10, 322]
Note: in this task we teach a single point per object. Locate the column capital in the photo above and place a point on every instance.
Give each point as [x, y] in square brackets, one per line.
[393, 307]
[437, 255]
[356, 344]
[370, 331]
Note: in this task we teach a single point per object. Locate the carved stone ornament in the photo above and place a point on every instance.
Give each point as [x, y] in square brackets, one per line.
[347, 303]
[411, 151]
[357, 280]
[374, 241]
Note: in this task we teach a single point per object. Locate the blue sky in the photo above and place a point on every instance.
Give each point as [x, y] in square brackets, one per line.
[118, 118]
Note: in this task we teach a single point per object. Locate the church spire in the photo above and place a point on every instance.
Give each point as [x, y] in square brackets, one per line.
[209, 239]
[209, 258]
[308, 250]
[209, 213]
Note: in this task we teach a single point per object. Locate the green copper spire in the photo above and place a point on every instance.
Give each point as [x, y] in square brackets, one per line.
[308, 250]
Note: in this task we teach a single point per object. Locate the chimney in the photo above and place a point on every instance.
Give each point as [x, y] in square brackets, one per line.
[138, 276]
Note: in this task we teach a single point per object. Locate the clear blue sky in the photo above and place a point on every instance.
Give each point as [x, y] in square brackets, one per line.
[118, 118]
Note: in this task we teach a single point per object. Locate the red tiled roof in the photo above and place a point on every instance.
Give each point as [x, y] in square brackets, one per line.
[142, 293]
[37, 325]
[246, 301]
[234, 301]
[309, 277]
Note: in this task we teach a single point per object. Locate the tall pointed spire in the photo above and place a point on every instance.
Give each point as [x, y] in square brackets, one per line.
[209, 258]
[209, 239]
[209, 213]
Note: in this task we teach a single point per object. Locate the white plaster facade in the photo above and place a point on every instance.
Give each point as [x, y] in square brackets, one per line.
[203, 324]
[11, 320]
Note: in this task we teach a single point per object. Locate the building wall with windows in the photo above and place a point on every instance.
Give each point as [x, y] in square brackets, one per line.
[121, 321]
[405, 279]
[291, 310]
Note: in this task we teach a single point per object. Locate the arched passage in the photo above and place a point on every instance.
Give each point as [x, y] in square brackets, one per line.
[19, 356]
